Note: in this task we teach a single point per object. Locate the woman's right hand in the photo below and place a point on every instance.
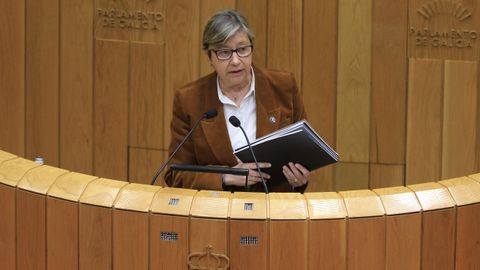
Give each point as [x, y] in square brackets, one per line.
[253, 174]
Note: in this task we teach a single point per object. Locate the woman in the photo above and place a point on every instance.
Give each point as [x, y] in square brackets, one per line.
[263, 100]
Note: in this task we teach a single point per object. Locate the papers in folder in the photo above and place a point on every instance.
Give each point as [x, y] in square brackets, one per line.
[297, 143]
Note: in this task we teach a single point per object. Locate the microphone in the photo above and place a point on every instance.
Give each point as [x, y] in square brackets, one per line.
[207, 115]
[236, 123]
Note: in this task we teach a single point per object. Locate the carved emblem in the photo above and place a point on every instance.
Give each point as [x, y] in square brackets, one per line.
[208, 260]
[451, 7]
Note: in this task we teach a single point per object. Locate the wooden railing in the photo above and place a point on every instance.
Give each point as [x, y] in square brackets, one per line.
[51, 218]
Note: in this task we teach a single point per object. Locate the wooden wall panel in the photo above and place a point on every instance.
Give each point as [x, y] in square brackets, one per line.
[111, 109]
[248, 256]
[255, 12]
[130, 240]
[12, 76]
[353, 85]
[205, 232]
[182, 52]
[424, 121]
[389, 93]
[76, 85]
[351, 176]
[207, 9]
[403, 241]
[459, 119]
[31, 230]
[7, 227]
[285, 36]
[382, 175]
[164, 254]
[366, 243]
[41, 83]
[291, 256]
[143, 164]
[467, 245]
[438, 239]
[146, 127]
[95, 237]
[319, 71]
[62, 234]
[327, 244]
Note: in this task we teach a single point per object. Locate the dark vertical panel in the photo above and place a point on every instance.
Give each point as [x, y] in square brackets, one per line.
[468, 237]
[384, 175]
[366, 243]
[438, 239]
[319, 70]
[285, 36]
[62, 234]
[12, 76]
[182, 33]
[288, 245]
[111, 109]
[146, 128]
[248, 255]
[403, 246]
[95, 237]
[327, 244]
[41, 82]
[76, 83]
[389, 50]
[424, 121]
[130, 240]
[7, 227]
[31, 230]
[143, 163]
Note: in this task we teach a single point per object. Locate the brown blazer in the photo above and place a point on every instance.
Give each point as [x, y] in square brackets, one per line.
[276, 95]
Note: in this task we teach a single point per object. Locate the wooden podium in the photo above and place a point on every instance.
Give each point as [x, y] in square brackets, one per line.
[56, 219]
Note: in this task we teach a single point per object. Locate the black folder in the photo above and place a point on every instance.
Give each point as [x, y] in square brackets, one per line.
[297, 143]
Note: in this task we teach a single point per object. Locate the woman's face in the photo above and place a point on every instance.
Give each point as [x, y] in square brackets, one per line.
[236, 70]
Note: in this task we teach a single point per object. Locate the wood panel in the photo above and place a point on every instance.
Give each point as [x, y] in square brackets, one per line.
[459, 119]
[207, 9]
[182, 52]
[327, 244]
[351, 176]
[353, 80]
[62, 234]
[41, 84]
[424, 121]
[130, 240]
[382, 175]
[168, 254]
[147, 72]
[95, 237]
[7, 227]
[205, 232]
[255, 12]
[31, 230]
[467, 245]
[403, 241]
[142, 165]
[389, 93]
[284, 45]
[366, 243]
[111, 109]
[248, 255]
[76, 85]
[319, 71]
[292, 255]
[438, 239]
[12, 76]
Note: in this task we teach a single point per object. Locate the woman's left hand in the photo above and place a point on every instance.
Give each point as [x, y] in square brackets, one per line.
[296, 174]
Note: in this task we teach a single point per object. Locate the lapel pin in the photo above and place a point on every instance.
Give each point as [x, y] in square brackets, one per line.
[272, 119]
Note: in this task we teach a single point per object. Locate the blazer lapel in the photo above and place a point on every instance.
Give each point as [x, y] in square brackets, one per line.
[215, 129]
[268, 114]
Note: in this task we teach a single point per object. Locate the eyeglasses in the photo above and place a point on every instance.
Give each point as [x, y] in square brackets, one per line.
[226, 54]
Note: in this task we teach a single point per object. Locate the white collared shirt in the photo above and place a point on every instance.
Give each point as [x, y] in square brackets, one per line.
[246, 113]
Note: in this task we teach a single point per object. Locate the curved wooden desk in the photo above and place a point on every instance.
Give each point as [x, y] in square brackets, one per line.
[56, 219]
